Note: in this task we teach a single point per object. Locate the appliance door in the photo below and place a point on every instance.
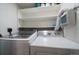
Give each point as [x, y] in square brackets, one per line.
[5, 47]
[14, 47]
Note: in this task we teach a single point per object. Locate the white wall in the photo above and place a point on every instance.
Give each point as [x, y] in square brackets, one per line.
[69, 5]
[8, 17]
[71, 31]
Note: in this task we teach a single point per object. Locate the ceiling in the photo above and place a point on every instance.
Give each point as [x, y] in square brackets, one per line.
[25, 5]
